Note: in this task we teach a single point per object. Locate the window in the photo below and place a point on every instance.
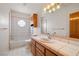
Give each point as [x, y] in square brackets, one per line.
[21, 23]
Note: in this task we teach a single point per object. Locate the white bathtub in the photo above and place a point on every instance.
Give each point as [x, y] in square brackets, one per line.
[19, 43]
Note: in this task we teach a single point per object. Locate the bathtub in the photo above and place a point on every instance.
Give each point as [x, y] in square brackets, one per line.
[19, 43]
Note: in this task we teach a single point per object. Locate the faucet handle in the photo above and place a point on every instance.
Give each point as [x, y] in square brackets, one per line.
[53, 33]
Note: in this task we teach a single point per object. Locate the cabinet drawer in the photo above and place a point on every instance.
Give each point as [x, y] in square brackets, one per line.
[39, 53]
[49, 53]
[40, 47]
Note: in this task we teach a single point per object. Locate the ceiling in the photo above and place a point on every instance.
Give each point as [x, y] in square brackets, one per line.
[24, 7]
[28, 7]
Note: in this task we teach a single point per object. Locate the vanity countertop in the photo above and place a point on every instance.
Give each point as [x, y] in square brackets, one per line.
[62, 46]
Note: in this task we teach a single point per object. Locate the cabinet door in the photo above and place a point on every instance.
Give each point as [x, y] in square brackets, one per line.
[39, 53]
[33, 47]
[33, 42]
[40, 47]
[49, 53]
[33, 50]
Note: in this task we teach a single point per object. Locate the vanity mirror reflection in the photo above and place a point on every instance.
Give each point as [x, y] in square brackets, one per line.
[43, 25]
[74, 25]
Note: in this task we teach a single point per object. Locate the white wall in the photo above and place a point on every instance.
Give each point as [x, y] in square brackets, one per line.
[59, 20]
[4, 33]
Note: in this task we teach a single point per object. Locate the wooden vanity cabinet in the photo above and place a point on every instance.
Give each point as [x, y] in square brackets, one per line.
[50, 53]
[39, 53]
[40, 47]
[40, 50]
[33, 48]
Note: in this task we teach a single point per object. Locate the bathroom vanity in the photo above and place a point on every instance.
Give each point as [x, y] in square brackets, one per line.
[39, 49]
[54, 47]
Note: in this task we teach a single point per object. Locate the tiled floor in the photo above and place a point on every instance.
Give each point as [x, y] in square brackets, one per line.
[23, 51]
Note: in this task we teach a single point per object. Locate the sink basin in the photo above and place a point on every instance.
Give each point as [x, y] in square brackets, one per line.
[46, 40]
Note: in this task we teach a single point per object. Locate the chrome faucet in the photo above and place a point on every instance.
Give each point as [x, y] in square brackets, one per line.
[54, 34]
[49, 36]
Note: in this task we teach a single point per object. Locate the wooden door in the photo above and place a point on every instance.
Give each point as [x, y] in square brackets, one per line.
[74, 25]
[35, 20]
[77, 30]
[73, 28]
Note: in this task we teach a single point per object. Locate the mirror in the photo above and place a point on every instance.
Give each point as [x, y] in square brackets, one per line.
[43, 25]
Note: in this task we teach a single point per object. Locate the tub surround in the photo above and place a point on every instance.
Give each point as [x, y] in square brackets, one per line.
[59, 45]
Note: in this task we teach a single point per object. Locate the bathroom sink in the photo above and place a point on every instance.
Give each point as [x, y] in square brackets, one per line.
[46, 40]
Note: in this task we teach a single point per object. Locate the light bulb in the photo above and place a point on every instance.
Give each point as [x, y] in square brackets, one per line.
[48, 6]
[58, 6]
[50, 11]
[44, 9]
[53, 9]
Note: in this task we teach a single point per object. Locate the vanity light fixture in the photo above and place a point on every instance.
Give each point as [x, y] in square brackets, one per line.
[51, 7]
